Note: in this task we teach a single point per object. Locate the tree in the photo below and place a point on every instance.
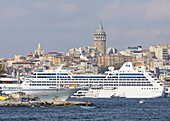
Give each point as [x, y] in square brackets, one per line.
[2, 70]
[117, 65]
[102, 69]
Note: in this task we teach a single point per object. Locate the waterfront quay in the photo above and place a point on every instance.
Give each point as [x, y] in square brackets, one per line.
[10, 103]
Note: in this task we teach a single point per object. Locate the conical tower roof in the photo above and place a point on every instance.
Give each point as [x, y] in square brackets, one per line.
[100, 28]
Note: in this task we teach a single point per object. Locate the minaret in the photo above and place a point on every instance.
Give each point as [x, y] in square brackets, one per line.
[39, 46]
[100, 39]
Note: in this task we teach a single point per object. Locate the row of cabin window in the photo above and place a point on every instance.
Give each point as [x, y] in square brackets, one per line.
[102, 85]
[105, 82]
[127, 77]
[50, 74]
[150, 88]
[42, 84]
[104, 79]
[75, 77]
[89, 82]
[50, 77]
[126, 74]
[43, 81]
[110, 79]
[87, 78]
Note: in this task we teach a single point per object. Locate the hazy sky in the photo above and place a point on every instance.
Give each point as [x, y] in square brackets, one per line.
[63, 24]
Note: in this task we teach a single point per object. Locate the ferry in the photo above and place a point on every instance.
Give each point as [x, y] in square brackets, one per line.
[125, 82]
[80, 94]
[9, 85]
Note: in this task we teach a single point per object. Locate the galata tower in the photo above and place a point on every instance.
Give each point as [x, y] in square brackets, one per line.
[100, 39]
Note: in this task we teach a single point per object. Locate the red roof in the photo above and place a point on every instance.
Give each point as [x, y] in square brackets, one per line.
[23, 63]
[145, 50]
[5, 59]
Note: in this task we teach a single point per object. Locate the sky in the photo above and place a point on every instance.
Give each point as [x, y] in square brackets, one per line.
[63, 24]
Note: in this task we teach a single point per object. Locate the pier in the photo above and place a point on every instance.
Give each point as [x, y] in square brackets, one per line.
[10, 103]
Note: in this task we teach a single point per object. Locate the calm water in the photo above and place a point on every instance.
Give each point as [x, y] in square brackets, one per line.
[118, 109]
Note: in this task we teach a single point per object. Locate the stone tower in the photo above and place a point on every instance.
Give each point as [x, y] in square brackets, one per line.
[100, 39]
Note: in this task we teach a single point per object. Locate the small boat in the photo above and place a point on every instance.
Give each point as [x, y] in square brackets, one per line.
[2, 98]
[142, 101]
[89, 107]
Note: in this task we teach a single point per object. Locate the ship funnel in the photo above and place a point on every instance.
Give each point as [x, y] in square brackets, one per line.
[127, 66]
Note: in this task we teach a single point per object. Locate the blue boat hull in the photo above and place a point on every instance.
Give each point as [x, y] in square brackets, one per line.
[89, 107]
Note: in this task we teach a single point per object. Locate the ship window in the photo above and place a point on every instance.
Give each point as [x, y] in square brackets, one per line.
[130, 74]
[32, 84]
[63, 74]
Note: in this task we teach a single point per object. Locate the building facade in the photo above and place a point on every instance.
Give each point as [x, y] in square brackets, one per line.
[161, 51]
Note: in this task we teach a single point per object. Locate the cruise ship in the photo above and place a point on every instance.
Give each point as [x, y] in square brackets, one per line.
[10, 85]
[125, 82]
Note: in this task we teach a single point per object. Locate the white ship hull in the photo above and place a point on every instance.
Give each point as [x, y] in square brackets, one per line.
[46, 94]
[127, 92]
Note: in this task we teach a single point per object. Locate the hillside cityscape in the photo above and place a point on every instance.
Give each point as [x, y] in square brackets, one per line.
[93, 59]
[76, 60]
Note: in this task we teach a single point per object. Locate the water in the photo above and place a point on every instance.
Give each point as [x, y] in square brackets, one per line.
[117, 109]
